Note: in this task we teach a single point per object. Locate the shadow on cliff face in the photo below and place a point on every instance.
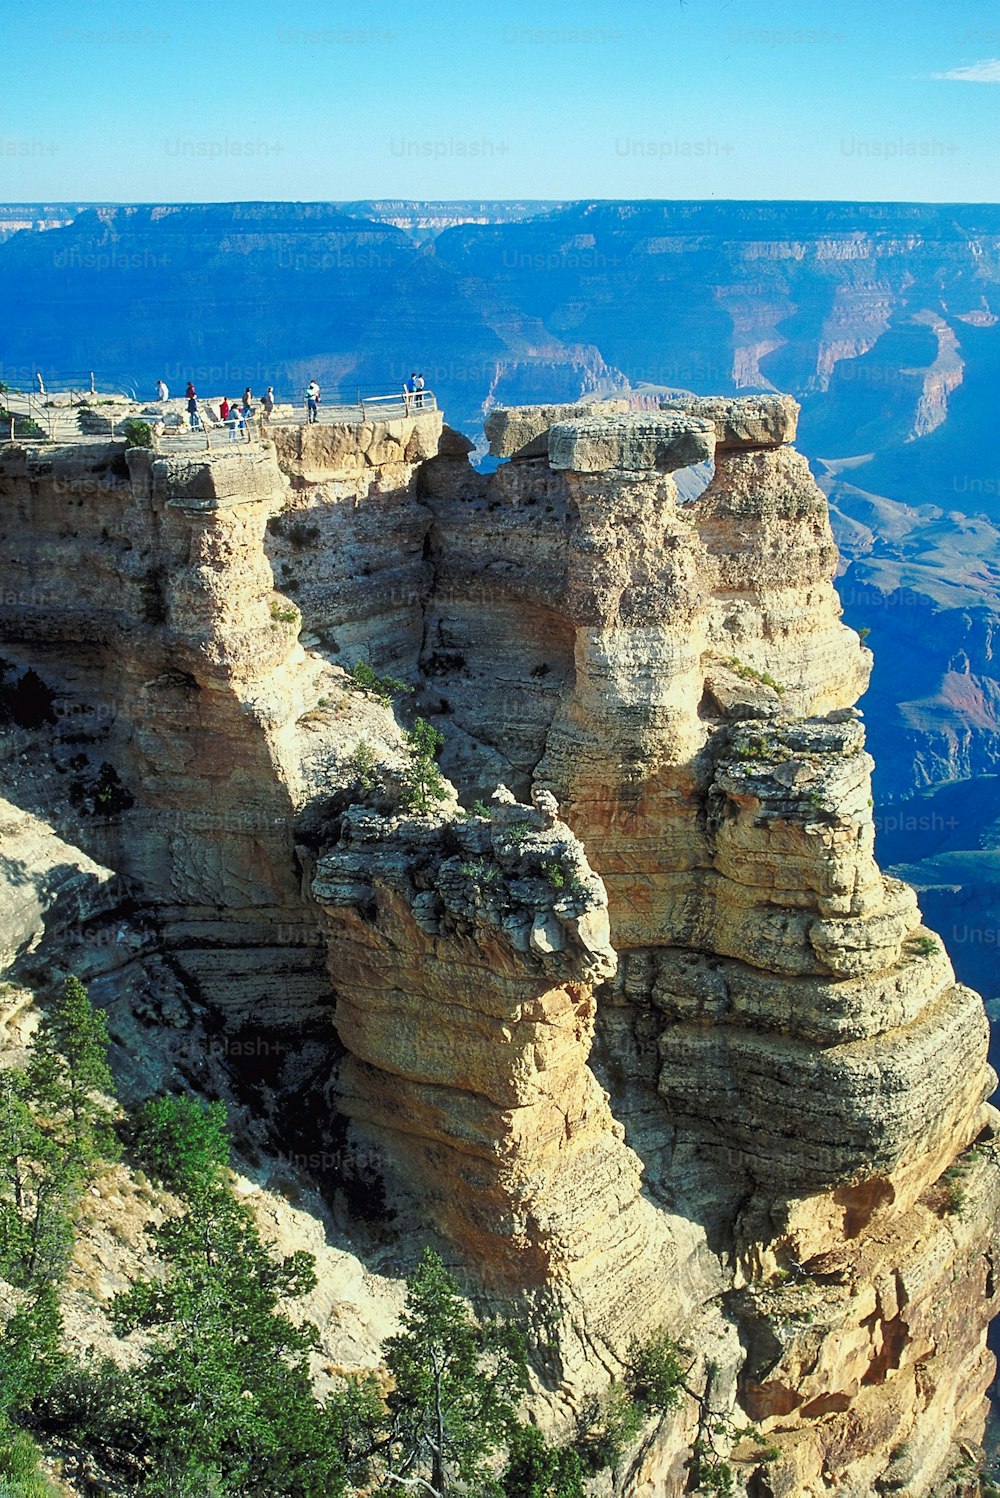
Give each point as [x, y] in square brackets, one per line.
[681, 1174]
[287, 1083]
[24, 700]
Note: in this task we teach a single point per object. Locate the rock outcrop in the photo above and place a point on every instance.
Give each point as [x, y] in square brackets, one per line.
[465, 956]
[652, 1042]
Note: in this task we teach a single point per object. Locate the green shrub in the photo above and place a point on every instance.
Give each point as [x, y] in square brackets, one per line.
[24, 426]
[283, 613]
[365, 679]
[710, 1473]
[300, 535]
[29, 1352]
[20, 1471]
[954, 1183]
[363, 766]
[519, 833]
[749, 673]
[537, 1470]
[657, 1373]
[423, 782]
[612, 1429]
[137, 433]
[182, 1141]
[96, 1403]
[101, 793]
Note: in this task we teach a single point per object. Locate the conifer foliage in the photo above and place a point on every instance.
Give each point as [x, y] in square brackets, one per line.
[457, 1386]
[55, 1125]
[218, 1398]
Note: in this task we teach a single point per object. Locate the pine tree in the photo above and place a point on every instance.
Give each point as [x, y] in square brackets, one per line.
[68, 1066]
[424, 783]
[53, 1128]
[183, 1141]
[29, 1352]
[224, 1391]
[457, 1386]
[537, 1470]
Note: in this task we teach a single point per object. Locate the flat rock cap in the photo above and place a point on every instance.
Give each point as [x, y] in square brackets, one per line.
[523, 431]
[744, 420]
[639, 441]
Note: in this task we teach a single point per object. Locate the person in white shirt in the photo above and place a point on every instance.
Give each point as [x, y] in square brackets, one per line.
[162, 393]
[312, 400]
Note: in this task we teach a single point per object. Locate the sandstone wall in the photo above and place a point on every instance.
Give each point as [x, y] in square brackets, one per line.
[786, 1046]
[680, 1055]
[142, 592]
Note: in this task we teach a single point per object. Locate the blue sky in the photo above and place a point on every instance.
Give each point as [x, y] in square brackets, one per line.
[646, 99]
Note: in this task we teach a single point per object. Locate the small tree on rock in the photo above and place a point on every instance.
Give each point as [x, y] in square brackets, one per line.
[537, 1470]
[457, 1386]
[68, 1067]
[183, 1141]
[54, 1126]
[423, 782]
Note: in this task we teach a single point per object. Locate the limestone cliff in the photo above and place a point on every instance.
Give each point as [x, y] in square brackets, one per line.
[652, 1042]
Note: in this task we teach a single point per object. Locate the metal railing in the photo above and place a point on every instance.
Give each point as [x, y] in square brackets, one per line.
[59, 420]
[332, 410]
[55, 422]
[75, 382]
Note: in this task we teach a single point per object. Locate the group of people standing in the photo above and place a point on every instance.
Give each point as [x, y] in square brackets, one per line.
[235, 414]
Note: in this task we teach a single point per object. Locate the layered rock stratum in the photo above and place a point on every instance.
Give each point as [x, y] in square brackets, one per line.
[648, 1040]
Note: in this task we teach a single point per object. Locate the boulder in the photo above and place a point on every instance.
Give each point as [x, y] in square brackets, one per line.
[637, 442]
[522, 431]
[743, 421]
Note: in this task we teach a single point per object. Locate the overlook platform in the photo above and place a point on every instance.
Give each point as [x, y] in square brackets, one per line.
[69, 418]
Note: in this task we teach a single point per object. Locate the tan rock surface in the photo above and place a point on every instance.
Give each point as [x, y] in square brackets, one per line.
[743, 421]
[636, 442]
[522, 431]
[648, 1062]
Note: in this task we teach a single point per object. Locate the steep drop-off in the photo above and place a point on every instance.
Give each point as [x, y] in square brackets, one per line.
[653, 1042]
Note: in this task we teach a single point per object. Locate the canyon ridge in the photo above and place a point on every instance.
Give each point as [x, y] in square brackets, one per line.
[631, 1023]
